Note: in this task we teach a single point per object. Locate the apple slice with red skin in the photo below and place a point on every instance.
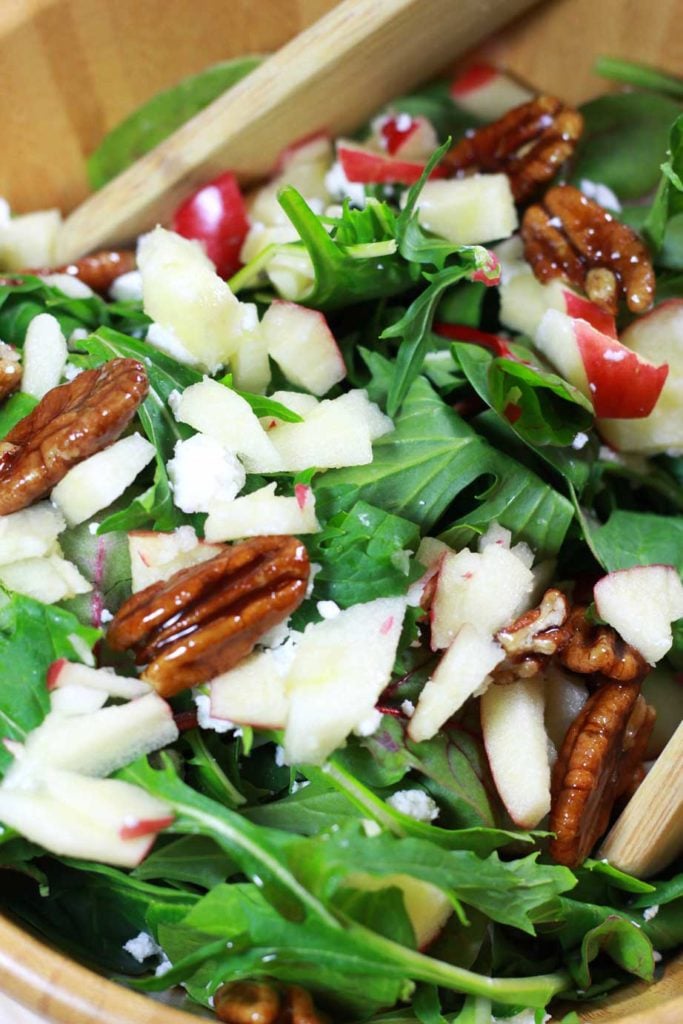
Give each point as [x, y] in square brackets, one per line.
[486, 92]
[461, 332]
[369, 168]
[406, 137]
[302, 344]
[620, 384]
[580, 308]
[641, 603]
[63, 673]
[216, 216]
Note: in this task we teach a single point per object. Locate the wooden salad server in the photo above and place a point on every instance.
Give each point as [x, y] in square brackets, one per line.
[648, 835]
[332, 76]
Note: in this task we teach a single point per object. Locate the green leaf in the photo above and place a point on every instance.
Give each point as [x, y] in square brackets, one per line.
[639, 538]
[194, 859]
[640, 75]
[32, 636]
[14, 409]
[621, 940]
[435, 102]
[105, 561]
[668, 201]
[624, 140]
[431, 458]
[153, 122]
[311, 809]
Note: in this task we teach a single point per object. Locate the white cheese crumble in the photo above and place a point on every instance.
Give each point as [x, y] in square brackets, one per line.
[408, 708]
[328, 609]
[339, 186]
[602, 194]
[580, 441]
[71, 372]
[279, 756]
[127, 287]
[369, 725]
[651, 912]
[78, 334]
[415, 803]
[203, 472]
[203, 705]
[93, 528]
[142, 946]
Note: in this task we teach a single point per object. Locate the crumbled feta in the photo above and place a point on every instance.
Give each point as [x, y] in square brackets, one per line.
[279, 756]
[369, 725]
[313, 572]
[580, 441]
[415, 803]
[203, 472]
[164, 966]
[93, 528]
[276, 636]
[602, 194]
[142, 946]
[203, 705]
[127, 287]
[408, 708]
[651, 912]
[656, 956]
[71, 371]
[328, 609]
[339, 186]
[68, 285]
[105, 616]
[78, 334]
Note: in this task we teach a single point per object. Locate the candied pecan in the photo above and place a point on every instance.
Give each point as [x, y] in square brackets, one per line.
[10, 370]
[206, 618]
[300, 1008]
[600, 649]
[70, 423]
[594, 767]
[573, 237]
[539, 630]
[529, 144]
[247, 1002]
[638, 732]
[98, 271]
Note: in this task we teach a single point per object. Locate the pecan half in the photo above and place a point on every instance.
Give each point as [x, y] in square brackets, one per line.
[247, 1002]
[573, 237]
[595, 766]
[70, 423]
[539, 630]
[98, 271]
[600, 649]
[10, 370]
[205, 619]
[529, 144]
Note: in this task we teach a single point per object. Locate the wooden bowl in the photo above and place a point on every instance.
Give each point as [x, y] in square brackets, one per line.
[69, 71]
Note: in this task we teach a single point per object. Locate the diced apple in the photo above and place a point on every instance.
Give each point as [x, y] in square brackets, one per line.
[565, 696]
[303, 165]
[431, 551]
[462, 671]
[260, 513]
[29, 240]
[77, 700]
[98, 743]
[183, 293]
[580, 308]
[45, 355]
[104, 820]
[405, 137]
[641, 603]
[523, 299]
[252, 693]
[291, 273]
[339, 670]
[488, 93]
[220, 412]
[48, 579]
[487, 589]
[157, 556]
[30, 533]
[94, 483]
[295, 401]
[657, 336]
[427, 906]
[517, 748]
[469, 211]
[619, 383]
[250, 364]
[302, 344]
[337, 432]
[260, 236]
[63, 674]
[364, 165]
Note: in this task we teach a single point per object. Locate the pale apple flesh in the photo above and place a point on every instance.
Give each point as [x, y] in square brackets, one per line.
[641, 603]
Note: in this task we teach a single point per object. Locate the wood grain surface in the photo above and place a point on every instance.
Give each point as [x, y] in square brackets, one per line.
[70, 70]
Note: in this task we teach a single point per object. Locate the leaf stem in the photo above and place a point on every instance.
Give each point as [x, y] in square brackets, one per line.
[641, 75]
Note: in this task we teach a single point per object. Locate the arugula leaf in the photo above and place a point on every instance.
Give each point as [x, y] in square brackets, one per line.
[639, 538]
[194, 859]
[624, 138]
[312, 808]
[668, 201]
[14, 409]
[32, 636]
[431, 458]
[160, 116]
[621, 940]
[643, 76]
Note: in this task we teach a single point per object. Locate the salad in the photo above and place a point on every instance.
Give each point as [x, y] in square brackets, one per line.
[340, 552]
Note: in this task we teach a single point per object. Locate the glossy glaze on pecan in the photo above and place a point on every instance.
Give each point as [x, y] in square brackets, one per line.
[70, 423]
[573, 237]
[595, 766]
[529, 144]
[594, 648]
[98, 271]
[10, 370]
[205, 619]
[539, 630]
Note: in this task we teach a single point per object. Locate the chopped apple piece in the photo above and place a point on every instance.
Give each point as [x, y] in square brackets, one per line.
[469, 211]
[339, 670]
[252, 693]
[462, 671]
[48, 579]
[64, 674]
[405, 137]
[260, 513]
[29, 240]
[30, 533]
[157, 556]
[364, 165]
[45, 355]
[94, 483]
[427, 906]
[221, 413]
[183, 293]
[486, 92]
[517, 748]
[77, 700]
[487, 589]
[295, 401]
[641, 603]
[302, 344]
[250, 364]
[303, 165]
